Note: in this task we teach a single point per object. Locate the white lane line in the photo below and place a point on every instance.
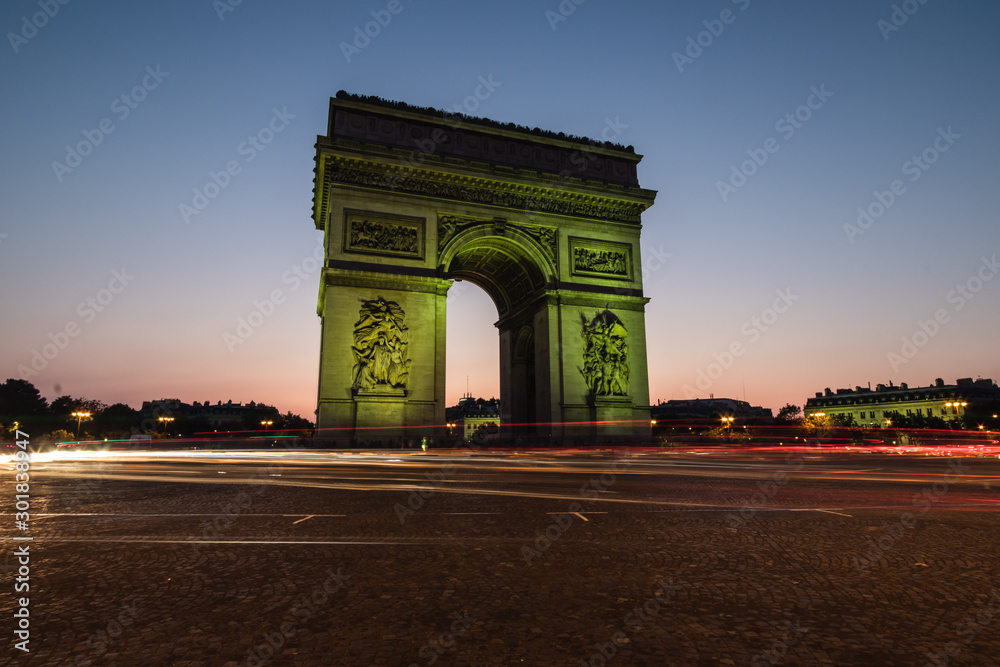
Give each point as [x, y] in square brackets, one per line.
[301, 520]
[816, 509]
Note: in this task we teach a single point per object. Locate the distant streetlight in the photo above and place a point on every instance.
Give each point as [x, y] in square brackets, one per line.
[728, 421]
[266, 423]
[80, 416]
[652, 422]
[165, 421]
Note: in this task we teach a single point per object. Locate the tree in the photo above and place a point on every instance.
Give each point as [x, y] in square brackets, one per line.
[66, 405]
[290, 421]
[790, 414]
[116, 420]
[20, 398]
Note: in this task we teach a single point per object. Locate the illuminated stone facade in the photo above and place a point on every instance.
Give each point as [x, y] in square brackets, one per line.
[870, 407]
[413, 199]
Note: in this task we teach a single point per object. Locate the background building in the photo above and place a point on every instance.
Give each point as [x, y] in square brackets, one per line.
[868, 407]
[472, 414]
[708, 411]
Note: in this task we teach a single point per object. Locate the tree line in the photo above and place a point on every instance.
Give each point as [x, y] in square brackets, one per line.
[23, 407]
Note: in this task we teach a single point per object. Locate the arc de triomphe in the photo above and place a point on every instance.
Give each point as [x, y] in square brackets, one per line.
[412, 199]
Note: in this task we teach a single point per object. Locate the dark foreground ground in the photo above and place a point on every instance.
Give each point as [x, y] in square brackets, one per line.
[537, 559]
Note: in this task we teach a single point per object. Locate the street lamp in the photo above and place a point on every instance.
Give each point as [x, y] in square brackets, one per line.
[165, 421]
[80, 416]
[728, 421]
[266, 423]
[956, 405]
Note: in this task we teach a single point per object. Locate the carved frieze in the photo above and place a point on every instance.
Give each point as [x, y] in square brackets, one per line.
[605, 355]
[600, 259]
[383, 234]
[381, 340]
[478, 190]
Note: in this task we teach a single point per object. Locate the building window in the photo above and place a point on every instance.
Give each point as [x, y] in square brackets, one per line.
[944, 411]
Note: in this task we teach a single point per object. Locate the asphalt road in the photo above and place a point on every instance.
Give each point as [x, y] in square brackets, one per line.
[547, 558]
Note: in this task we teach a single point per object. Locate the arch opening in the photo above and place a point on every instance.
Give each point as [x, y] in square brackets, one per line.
[514, 280]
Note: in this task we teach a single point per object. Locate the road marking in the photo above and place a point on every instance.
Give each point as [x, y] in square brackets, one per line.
[581, 516]
[816, 509]
[301, 520]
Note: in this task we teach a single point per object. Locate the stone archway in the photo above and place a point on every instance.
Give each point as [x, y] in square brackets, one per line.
[412, 200]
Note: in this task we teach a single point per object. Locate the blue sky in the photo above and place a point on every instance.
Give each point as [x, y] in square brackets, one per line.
[722, 258]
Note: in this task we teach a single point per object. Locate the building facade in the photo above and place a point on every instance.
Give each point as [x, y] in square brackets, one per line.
[871, 407]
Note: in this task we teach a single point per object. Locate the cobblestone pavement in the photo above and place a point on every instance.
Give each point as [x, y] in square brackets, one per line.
[620, 558]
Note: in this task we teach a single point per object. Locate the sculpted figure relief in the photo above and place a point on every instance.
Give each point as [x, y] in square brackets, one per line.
[605, 355]
[373, 235]
[380, 344]
[600, 261]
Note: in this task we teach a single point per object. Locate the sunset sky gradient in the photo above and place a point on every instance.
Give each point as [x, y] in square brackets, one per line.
[716, 258]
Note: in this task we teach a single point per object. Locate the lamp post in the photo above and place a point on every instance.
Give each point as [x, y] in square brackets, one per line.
[80, 416]
[956, 405]
[165, 421]
[266, 423]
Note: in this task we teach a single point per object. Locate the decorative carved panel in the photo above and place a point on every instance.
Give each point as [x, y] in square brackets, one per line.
[605, 355]
[600, 259]
[381, 340]
[383, 234]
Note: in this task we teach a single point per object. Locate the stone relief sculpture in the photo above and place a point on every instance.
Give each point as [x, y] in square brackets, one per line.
[600, 261]
[374, 235]
[605, 355]
[380, 345]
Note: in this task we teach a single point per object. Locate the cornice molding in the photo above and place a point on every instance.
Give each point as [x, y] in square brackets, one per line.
[400, 179]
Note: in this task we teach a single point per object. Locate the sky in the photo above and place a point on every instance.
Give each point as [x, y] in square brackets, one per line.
[827, 178]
